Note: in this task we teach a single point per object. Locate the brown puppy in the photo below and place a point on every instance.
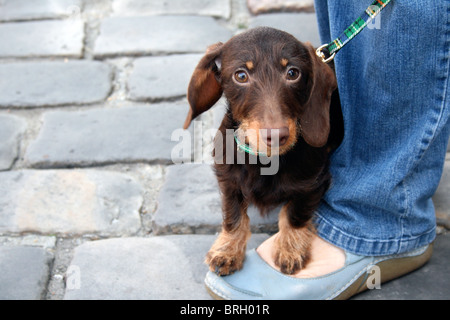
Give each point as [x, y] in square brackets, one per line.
[279, 94]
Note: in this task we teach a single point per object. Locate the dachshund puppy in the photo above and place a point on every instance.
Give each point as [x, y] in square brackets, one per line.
[282, 103]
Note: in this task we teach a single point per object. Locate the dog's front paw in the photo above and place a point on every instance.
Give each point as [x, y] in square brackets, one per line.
[290, 262]
[228, 251]
[225, 261]
[225, 256]
[292, 251]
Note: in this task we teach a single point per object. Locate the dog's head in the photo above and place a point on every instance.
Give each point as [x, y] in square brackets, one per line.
[276, 86]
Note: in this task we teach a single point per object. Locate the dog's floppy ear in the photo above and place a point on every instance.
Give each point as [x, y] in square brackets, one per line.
[204, 88]
[315, 120]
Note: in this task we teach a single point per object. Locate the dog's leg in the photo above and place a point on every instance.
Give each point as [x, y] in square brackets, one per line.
[228, 251]
[292, 244]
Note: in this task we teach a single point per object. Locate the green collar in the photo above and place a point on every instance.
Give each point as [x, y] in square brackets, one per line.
[246, 148]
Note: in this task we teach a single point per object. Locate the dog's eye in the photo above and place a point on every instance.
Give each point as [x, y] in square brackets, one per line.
[241, 76]
[293, 74]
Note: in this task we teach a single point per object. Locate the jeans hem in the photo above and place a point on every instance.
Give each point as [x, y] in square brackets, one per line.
[370, 247]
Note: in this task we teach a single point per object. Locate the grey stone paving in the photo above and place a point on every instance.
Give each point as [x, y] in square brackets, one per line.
[442, 198]
[11, 128]
[157, 35]
[92, 99]
[265, 6]
[218, 8]
[22, 10]
[302, 25]
[52, 83]
[42, 39]
[107, 135]
[24, 272]
[159, 78]
[69, 202]
[146, 267]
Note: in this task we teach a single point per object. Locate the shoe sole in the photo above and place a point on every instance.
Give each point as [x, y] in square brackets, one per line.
[213, 294]
[389, 270]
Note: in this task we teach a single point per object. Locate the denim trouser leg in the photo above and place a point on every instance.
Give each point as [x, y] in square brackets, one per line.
[394, 88]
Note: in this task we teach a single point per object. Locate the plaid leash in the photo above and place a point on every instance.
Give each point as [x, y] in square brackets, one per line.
[327, 52]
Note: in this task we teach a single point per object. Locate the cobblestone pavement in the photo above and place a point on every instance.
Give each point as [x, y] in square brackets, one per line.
[91, 204]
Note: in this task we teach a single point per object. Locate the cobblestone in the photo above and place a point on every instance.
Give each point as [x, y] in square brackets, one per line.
[157, 35]
[11, 128]
[53, 83]
[441, 198]
[149, 268]
[53, 38]
[24, 272]
[302, 25]
[127, 134]
[217, 8]
[265, 6]
[22, 10]
[69, 202]
[161, 78]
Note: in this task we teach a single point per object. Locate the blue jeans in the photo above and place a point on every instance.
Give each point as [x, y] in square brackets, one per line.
[394, 87]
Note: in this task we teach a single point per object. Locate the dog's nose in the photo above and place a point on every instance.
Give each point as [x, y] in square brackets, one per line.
[270, 135]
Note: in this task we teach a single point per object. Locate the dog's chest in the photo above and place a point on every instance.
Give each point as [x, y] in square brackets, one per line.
[269, 190]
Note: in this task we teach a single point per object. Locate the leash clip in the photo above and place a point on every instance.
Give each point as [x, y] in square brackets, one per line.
[322, 52]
